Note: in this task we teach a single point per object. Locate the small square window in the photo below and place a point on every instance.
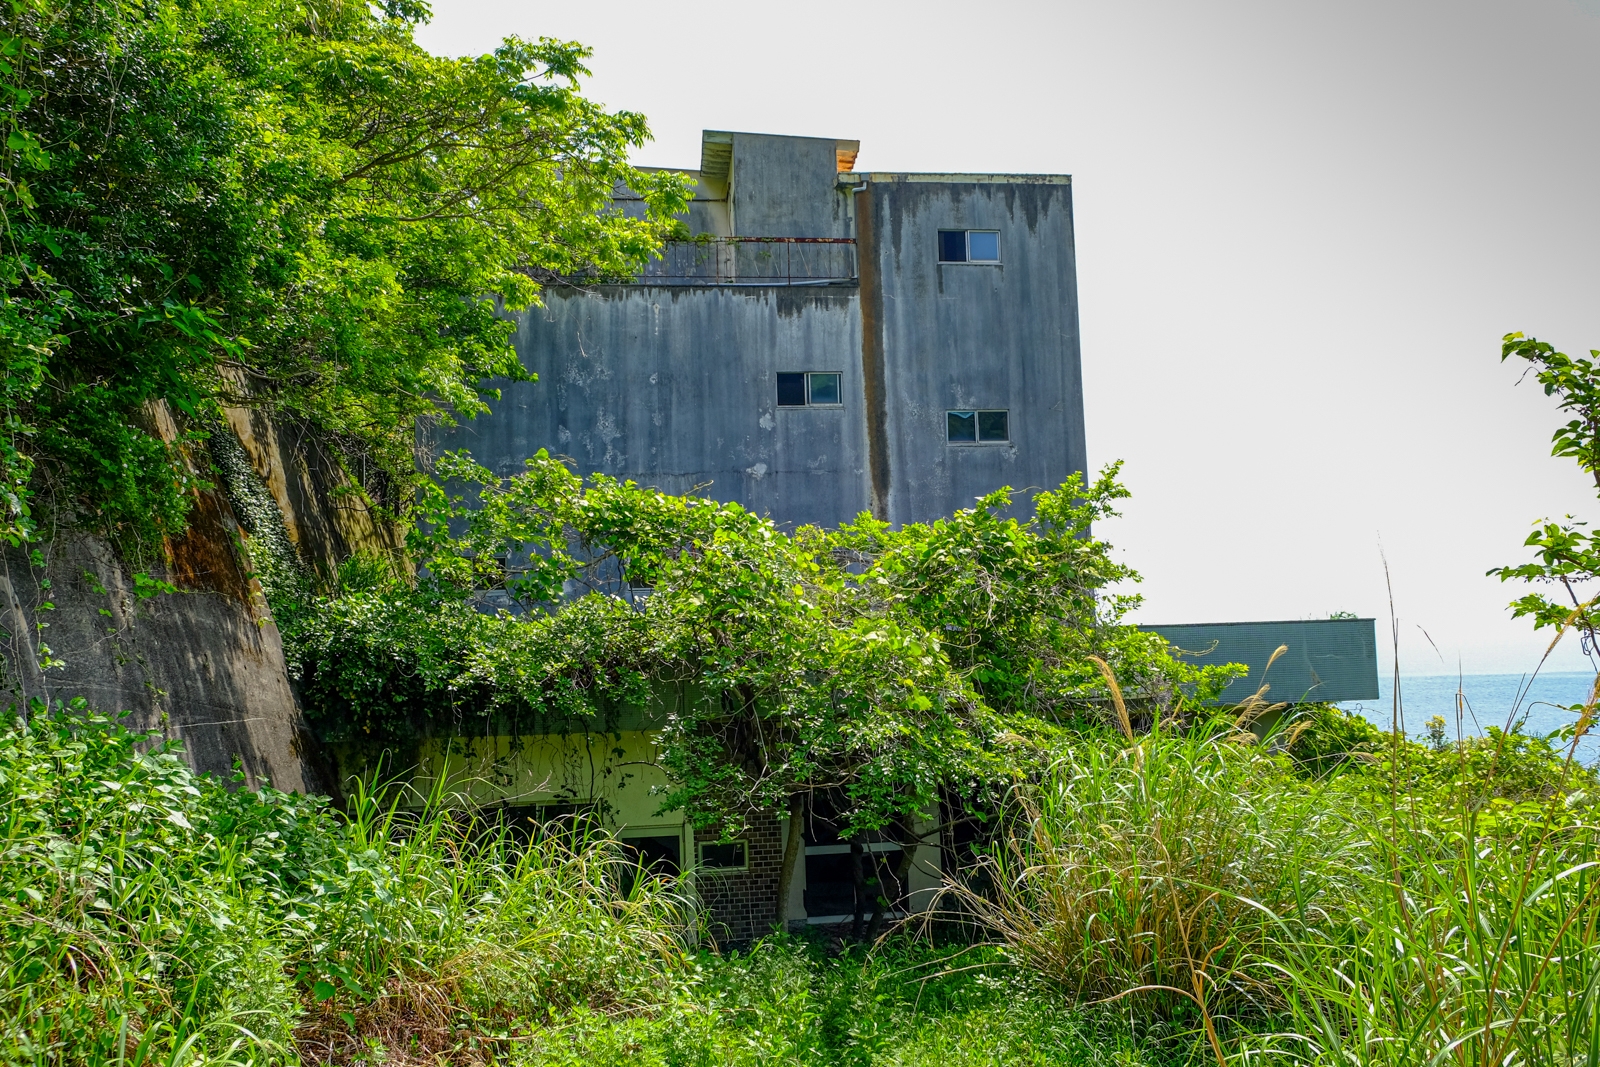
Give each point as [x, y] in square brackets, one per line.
[723, 856]
[791, 390]
[824, 388]
[977, 427]
[969, 246]
[662, 853]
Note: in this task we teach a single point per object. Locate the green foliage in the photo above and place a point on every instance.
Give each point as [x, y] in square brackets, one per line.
[388, 666]
[1173, 865]
[1566, 553]
[1411, 906]
[1474, 933]
[903, 1004]
[281, 204]
[881, 665]
[147, 913]
[1321, 737]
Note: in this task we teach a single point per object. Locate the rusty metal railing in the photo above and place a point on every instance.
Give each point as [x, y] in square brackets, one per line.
[755, 261]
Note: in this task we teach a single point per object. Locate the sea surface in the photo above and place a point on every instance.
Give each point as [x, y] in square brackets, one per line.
[1489, 700]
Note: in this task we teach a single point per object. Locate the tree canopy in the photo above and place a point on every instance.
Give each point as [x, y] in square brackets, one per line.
[282, 203]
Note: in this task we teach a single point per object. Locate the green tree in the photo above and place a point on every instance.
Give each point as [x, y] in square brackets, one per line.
[1567, 553]
[283, 204]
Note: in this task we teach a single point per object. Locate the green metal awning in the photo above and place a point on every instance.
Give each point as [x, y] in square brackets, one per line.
[1327, 659]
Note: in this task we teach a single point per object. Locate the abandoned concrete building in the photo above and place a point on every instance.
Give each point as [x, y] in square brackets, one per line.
[830, 342]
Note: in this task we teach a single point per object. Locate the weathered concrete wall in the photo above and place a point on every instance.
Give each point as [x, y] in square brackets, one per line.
[784, 187]
[943, 336]
[675, 387]
[672, 382]
[203, 665]
[708, 208]
[326, 517]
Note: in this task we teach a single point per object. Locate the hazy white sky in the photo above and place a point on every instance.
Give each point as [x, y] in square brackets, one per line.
[1302, 230]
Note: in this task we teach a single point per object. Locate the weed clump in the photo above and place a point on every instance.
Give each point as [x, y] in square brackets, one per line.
[1421, 904]
[147, 913]
[1172, 868]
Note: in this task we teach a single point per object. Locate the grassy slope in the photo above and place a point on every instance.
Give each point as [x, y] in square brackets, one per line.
[1439, 905]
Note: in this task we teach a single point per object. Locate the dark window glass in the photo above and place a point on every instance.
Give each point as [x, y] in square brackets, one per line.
[961, 425]
[983, 246]
[824, 388]
[952, 246]
[830, 885]
[992, 426]
[791, 390]
[654, 853]
[647, 856]
[722, 856]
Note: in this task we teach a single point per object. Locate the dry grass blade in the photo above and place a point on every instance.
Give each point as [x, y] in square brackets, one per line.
[1123, 722]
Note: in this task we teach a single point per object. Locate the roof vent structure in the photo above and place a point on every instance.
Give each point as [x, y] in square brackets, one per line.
[716, 155]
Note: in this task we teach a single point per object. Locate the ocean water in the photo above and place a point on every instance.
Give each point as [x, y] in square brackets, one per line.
[1490, 700]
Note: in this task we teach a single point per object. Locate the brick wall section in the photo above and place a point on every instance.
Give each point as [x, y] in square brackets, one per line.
[740, 905]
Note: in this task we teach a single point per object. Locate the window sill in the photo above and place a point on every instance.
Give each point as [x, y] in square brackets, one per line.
[979, 444]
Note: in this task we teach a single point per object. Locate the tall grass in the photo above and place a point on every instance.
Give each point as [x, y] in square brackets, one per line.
[148, 915]
[1170, 868]
[791, 1002]
[1435, 908]
[1476, 942]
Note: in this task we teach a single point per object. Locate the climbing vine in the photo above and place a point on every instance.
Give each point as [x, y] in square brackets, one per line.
[881, 665]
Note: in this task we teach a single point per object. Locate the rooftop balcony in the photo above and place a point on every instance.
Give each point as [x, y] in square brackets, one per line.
[755, 261]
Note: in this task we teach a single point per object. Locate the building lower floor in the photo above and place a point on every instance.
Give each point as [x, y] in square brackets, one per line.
[611, 781]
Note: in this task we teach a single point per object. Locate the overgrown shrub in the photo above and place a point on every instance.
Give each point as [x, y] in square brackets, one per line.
[1323, 737]
[149, 913]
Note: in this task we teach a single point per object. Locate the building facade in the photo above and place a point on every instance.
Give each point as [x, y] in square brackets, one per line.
[830, 342]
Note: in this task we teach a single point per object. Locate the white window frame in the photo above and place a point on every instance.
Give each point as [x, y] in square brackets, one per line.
[967, 241]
